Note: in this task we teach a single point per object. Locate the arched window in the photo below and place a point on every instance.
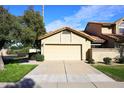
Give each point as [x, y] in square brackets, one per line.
[121, 27]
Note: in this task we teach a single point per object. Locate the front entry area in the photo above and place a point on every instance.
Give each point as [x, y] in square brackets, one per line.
[62, 52]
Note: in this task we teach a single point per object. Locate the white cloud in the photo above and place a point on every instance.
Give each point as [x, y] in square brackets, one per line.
[86, 14]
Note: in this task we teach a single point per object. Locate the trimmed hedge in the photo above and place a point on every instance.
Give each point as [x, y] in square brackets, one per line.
[91, 61]
[107, 60]
[37, 57]
[16, 51]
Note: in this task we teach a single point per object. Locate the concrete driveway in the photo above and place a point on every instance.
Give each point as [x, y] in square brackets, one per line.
[69, 74]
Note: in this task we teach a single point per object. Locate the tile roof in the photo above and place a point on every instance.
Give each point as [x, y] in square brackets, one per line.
[117, 38]
[103, 23]
[81, 33]
[97, 39]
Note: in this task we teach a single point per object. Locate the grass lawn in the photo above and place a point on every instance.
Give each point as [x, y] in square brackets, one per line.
[14, 72]
[114, 71]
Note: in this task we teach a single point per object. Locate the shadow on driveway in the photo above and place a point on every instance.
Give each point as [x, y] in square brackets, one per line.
[26, 83]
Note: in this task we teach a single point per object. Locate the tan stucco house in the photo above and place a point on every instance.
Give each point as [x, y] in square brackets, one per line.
[65, 44]
[98, 40]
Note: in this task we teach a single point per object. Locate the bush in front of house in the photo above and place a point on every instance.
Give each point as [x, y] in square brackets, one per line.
[37, 57]
[91, 61]
[107, 60]
[121, 60]
[24, 50]
[116, 59]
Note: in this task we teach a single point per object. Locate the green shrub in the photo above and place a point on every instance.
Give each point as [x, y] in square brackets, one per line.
[121, 60]
[91, 61]
[16, 51]
[107, 60]
[37, 57]
[116, 59]
[23, 50]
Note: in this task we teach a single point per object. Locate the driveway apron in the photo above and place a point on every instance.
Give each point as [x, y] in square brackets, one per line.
[67, 74]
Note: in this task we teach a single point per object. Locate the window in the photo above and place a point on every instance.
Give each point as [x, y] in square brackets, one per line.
[121, 27]
[66, 32]
[66, 36]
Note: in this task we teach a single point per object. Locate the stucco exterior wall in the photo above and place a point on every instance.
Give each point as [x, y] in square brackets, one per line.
[85, 49]
[65, 38]
[106, 30]
[70, 39]
[55, 39]
[99, 53]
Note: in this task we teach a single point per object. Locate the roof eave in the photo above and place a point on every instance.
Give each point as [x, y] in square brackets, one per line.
[82, 34]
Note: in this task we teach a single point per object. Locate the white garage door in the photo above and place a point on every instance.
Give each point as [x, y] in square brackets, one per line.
[62, 52]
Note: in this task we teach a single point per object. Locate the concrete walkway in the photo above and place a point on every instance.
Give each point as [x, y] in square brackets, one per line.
[67, 74]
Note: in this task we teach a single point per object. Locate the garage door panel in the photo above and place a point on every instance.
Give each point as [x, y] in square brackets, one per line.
[62, 52]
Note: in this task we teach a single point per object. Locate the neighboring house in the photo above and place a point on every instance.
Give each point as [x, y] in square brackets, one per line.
[112, 34]
[112, 39]
[99, 40]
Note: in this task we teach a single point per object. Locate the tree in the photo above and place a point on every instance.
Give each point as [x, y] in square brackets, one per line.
[8, 26]
[24, 35]
[34, 21]
[27, 37]
[23, 29]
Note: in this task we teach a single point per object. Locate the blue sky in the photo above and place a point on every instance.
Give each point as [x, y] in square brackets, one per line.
[73, 16]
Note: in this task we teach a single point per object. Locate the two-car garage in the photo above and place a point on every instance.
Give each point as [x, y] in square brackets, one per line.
[65, 44]
[62, 52]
